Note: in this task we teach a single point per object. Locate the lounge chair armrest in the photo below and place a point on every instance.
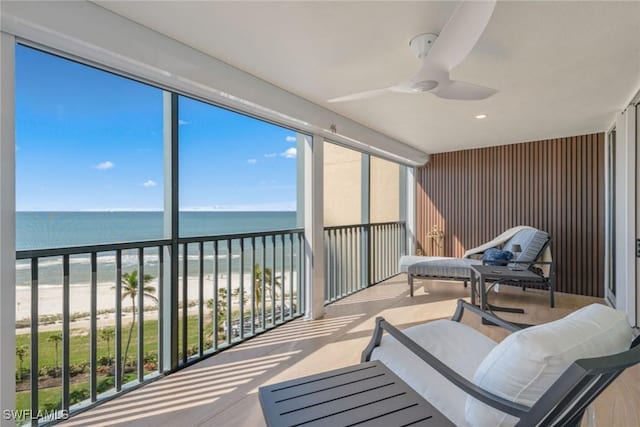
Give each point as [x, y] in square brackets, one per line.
[491, 262]
[455, 378]
[463, 305]
[532, 262]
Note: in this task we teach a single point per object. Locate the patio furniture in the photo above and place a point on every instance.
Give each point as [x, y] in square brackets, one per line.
[481, 274]
[368, 394]
[545, 375]
[534, 248]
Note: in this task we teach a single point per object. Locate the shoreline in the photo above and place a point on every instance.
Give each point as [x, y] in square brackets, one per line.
[50, 296]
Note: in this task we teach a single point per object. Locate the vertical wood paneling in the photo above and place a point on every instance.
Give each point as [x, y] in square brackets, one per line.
[556, 185]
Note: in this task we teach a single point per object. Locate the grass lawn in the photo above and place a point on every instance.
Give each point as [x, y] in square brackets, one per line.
[79, 353]
[80, 342]
[49, 397]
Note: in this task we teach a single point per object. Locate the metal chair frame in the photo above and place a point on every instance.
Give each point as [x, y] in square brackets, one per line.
[563, 404]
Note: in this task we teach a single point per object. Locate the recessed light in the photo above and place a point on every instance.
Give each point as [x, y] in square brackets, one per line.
[481, 116]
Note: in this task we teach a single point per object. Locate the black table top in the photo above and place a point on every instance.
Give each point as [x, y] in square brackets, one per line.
[368, 394]
[497, 272]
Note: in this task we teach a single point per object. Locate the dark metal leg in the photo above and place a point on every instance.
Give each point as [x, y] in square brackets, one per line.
[505, 309]
[465, 283]
[473, 287]
[493, 308]
[410, 278]
[483, 301]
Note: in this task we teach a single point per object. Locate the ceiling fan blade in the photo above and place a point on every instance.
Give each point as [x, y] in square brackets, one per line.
[461, 33]
[465, 91]
[360, 95]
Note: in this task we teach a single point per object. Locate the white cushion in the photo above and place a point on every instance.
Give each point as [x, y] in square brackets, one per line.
[460, 347]
[407, 261]
[523, 366]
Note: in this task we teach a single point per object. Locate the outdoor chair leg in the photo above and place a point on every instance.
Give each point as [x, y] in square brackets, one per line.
[465, 283]
[410, 278]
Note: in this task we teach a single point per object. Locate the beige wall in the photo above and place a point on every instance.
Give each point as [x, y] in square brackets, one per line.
[342, 186]
[385, 191]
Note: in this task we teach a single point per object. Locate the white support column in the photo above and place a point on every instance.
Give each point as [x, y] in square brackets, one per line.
[7, 229]
[301, 140]
[365, 218]
[625, 213]
[411, 210]
[314, 225]
[365, 198]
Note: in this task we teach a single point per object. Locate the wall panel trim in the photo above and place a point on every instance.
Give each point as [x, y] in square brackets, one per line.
[556, 185]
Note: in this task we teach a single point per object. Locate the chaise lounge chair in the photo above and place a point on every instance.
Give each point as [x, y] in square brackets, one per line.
[534, 247]
[546, 375]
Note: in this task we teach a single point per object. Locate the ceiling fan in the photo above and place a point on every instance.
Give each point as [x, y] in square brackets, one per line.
[441, 53]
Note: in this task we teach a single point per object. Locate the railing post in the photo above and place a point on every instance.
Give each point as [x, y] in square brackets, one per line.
[34, 352]
[367, 255]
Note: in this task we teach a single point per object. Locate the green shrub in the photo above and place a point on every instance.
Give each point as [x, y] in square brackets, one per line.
[50, 371]
[77, 369]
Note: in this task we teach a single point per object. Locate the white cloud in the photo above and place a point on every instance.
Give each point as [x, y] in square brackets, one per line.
[105, 165]
[149, 183]
[270, 155]
[291, 138]
[289, 153]
[258, 207]
[252, 161]
[183, 122]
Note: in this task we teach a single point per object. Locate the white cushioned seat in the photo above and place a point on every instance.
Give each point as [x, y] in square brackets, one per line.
[526, 363]
[459, 346]
[438, 266]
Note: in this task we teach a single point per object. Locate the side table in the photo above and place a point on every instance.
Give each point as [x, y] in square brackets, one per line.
[480, 274]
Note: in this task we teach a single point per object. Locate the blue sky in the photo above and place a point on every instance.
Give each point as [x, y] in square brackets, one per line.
[90, 140]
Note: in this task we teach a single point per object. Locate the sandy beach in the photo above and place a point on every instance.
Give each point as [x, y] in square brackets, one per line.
[50, 296]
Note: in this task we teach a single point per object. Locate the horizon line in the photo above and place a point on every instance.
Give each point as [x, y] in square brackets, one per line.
[155, 210]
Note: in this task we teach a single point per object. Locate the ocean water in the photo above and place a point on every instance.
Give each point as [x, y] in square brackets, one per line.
[39, 230]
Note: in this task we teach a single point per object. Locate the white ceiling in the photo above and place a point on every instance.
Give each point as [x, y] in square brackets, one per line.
[562, 68]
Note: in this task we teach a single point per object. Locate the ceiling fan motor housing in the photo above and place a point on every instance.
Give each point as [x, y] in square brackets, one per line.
[425, 85]
[422, 43]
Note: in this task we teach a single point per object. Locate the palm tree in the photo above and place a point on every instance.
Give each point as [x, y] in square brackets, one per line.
[222, 306]
[107, 335]
[257, 285]
[130, 290]
[55, 339]
[21, 352]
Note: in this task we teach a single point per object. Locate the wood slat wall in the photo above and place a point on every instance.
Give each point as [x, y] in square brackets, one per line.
[556, 185]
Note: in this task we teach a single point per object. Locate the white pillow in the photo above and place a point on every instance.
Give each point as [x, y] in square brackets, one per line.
[526, 363]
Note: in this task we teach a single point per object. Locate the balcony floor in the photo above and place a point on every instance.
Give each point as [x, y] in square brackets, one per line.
[222, 390]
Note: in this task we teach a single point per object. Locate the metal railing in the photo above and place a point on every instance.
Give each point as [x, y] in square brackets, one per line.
[254, 282]
[361, 255]
[275, 288]
[388, 244]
